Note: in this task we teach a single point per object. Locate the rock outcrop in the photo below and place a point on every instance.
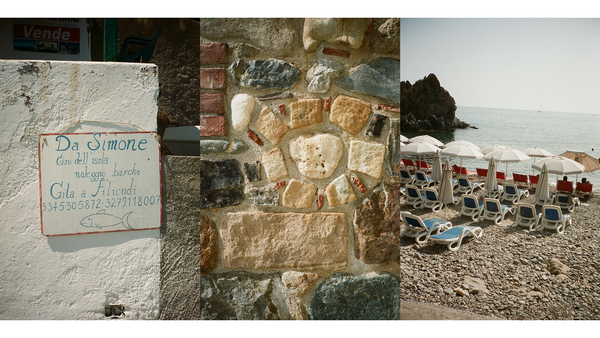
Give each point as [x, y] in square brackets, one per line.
[427, 106]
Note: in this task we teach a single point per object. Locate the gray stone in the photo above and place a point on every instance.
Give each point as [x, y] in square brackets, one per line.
[222, 147]
[237, 147]
[386, 39]
[263, 196]
[252, 170]
[268, 74]
[221, 184]
[376, 125]
[380, 78]
[394, 142]
[243, 50]
[348, 297]
[320, 74]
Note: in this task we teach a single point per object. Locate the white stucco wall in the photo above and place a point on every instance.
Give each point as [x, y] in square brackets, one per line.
[70, 277]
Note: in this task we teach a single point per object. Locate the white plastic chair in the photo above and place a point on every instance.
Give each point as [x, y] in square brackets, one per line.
[527, 216]
[420, 229]
[494, 211]
[513, 194]
[453, 237]
[471, 206]
[553, 219]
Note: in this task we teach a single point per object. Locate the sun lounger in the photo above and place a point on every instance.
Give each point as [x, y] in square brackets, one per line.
[566, 201]
[527, 216]
[414, 196]
[494, 211]
[406, 177]
[420, 229]
[422, 165]
[471, 206]
[481, 173]
[466, 186]
[534, 180]
[409, 164]
[541, 202]
[552, 218]
[492, 193]
[513, 194]
[502, 178]
[422, 180]
[521, 180]
[584, 189]
[564, 186]
[453, 237]
[431, 200]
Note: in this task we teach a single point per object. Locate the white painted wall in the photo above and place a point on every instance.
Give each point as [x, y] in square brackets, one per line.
[70, 277]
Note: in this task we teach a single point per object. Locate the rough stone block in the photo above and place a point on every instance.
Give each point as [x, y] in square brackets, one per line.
[306, 112]
[274, 164]
[212, 103]
[222, 147]
[299, 194]
[270, 126]
[376, 125]
[366, 157]
[284, 240]
[320, 74]
[298, 282]
[350, 113]
[394, 150]
[343, 296]
[263, 196]
[213, 53]
[221, 184]
[339, 192]
[241, 111]
[213, 125]
[268, 74]
[380, 78]
[252, 170]
[333, 30]
[316, 156]
[212, 78]
[209, 245]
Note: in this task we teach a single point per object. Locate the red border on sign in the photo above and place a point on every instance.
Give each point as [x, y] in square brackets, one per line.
[105, 133]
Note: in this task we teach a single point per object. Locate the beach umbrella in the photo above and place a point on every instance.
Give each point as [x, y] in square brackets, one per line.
[491, 148]
[537, 152]
[491, 183]
[445, 189]
[420, 148]
[426, 139]
[589, 162]
[560, 165]
[461, 142]
[542, 192]
[436, 170]
[507, 155]
[462, 151]
[404, 139]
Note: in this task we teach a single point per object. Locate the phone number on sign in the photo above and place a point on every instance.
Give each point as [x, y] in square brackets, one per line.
[105, 203]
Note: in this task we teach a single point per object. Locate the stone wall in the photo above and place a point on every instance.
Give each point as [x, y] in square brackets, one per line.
[299, 122]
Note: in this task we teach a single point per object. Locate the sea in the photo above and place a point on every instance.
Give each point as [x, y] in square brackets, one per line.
[555, 132]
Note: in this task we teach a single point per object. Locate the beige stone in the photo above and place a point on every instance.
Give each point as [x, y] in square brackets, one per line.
[347, 30]
[316, 156]
[306, 112]
[270, 126]
[260, 240]
[274, 165]
[299, 194]
[366, 157]
[339, 192]
[298, 282]
[350, 113]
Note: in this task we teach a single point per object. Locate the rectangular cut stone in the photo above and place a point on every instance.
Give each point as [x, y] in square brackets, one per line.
[350, 113]
[213, 125]
[259, 240]
[306, 112]
[213, 53]
[339, 192]
[212, 103]
[274, 165]
[299, 194]
[270, 126]
[212, 78]
[366, 157]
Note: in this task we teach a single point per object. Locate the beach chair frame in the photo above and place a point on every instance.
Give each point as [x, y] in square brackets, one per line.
[471, 206]
[553, 219]
[406, 177]
[527, 216]
[466, 186]
[513, 193]
[422, 180]
[493, 210]
[566, 201]
[414, 197]
[419, 229]
[431, 200]
[453, 237]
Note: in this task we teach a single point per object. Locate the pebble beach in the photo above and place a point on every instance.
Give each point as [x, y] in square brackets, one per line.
[509, 272]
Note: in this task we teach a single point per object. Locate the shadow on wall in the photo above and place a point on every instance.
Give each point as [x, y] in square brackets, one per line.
[73, 243]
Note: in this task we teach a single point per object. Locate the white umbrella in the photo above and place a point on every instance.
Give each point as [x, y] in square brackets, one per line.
[436, 170]
[419, 148]
[542, 192]
[508, 155]
[427, 139]
[461, 142]
[491, 148]
[404, 139]
[560, 165]
[445, 189]
[462, 151]
[537, 152]
[589, 162]
[491, 183]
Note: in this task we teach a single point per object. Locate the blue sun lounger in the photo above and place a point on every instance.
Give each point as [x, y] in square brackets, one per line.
[421, 228]
[453, 237]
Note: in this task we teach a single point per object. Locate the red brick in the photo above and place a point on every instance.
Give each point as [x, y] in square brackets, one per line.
[369, 30]
[252, 135]
[320, 201]
[212, 103]
[327, 104]
[280, 184]
[389, 108]
[359, 184]
[213, 53]
[281, 109]
[212, 78]
[336, 52]
[213, 125]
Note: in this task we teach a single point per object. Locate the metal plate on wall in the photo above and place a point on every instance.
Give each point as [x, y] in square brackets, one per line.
[99, 182]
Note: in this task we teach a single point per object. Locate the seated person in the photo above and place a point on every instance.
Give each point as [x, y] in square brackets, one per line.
[585, 181]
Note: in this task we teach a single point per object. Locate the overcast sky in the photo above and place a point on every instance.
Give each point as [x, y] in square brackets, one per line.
[547, 64]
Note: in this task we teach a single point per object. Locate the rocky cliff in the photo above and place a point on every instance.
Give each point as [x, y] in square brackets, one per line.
[427, 106]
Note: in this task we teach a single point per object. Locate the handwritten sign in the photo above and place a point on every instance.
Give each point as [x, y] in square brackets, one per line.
[99, 182]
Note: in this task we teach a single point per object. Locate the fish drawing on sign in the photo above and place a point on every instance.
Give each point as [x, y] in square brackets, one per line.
[103, 220]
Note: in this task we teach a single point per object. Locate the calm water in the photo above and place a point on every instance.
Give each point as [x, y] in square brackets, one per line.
[521, 129]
